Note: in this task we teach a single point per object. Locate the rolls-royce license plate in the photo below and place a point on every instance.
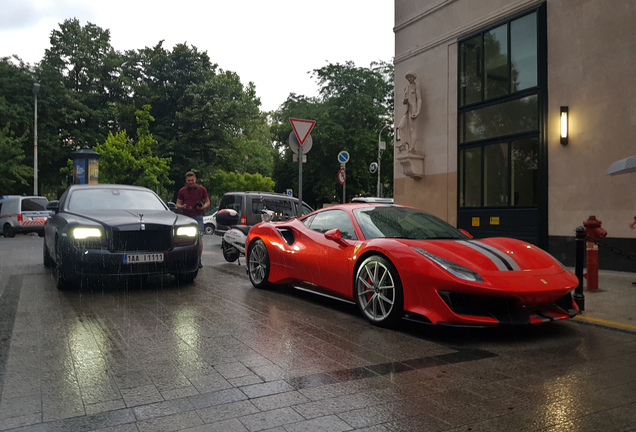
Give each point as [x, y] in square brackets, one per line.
[142, 258]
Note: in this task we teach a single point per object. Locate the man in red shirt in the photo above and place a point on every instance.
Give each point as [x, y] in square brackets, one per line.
[193, 200]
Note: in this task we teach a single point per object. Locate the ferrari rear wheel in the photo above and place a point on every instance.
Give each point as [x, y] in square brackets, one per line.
[258, 264]
[378, 291]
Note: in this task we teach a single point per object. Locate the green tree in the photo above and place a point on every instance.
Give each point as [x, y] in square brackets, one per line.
[16, 126]
[223, 182]
[355, 103]
[80, 85]
[82, 60]
[206, 118]
[15, 175]
[221, 125]
[124, 161]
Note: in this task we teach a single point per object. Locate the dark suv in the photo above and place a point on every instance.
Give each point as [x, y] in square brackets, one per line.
[250, 204]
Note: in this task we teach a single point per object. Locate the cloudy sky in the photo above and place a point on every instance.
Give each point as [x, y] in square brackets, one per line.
[273, 43]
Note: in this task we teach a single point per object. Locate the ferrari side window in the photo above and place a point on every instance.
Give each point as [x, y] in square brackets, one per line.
[327, 220]
[307, 221]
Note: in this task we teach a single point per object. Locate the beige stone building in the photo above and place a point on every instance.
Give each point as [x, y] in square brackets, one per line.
[478, 121]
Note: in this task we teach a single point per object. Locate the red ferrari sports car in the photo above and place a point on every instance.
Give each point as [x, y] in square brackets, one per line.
[399, 262]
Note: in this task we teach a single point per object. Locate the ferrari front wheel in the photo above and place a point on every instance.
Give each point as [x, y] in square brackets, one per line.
[378, 291]
[258, 264]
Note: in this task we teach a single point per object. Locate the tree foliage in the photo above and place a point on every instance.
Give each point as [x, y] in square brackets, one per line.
[222, 182]
[355, 103]
[16, 121]
[201, 108]
[124, 161]
[14, 174]
[205, 119]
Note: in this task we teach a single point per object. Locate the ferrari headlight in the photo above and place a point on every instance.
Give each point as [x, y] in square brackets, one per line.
[84, 233]
[453, 268]
[187, 231]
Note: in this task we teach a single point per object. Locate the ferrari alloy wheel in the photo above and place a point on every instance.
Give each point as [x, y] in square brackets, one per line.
[378, 291]
[258, 264]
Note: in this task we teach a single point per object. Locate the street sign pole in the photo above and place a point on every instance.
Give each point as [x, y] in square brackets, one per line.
[343, 158]
[342, 178]
[300, 181]
[344, 188]
[302, 129]
[380, 149]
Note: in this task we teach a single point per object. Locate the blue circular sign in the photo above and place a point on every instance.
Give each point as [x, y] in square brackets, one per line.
[343, 157]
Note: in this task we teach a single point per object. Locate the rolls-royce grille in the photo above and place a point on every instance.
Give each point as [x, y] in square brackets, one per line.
[154, 241]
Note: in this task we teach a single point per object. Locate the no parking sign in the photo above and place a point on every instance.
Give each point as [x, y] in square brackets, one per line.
[342, 176]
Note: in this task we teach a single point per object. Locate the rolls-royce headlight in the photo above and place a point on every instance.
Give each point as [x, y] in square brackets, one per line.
[453, 268]
[84, 233]
[187, 231]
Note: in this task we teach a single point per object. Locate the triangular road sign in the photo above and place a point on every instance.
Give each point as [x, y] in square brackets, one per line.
[302, 128]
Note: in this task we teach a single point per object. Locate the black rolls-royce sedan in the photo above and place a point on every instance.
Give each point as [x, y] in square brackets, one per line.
[118, 230]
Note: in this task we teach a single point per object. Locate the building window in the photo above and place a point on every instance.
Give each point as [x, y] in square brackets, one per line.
[499, 122]
[499, 62]
[499, 175]
[506, 118]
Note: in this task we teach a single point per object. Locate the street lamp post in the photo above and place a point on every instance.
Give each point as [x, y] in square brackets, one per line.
[380, 149]
[36, 89]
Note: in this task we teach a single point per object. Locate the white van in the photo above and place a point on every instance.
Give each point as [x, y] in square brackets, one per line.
[23, 214]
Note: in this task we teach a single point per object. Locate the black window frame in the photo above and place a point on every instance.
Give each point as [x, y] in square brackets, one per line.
[540, 134]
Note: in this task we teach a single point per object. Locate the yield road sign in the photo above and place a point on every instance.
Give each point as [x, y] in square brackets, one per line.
[302, 128]
[343, 157]
[342, 176]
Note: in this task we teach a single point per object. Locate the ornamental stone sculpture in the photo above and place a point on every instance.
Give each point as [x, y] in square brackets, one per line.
[413, 100]
[412, 162]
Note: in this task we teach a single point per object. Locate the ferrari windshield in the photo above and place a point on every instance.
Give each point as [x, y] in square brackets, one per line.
[113, 199]
[403, 222]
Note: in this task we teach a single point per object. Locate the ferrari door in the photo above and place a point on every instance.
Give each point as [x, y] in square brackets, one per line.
[327, 263]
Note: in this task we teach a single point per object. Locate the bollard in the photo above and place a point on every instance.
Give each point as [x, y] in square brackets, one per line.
[592, 265]
[579, 297]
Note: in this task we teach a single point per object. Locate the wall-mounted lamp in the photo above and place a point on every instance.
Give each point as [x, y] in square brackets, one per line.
[564, 125]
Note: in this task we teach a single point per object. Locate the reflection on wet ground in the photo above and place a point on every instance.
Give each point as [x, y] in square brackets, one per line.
[219, 355]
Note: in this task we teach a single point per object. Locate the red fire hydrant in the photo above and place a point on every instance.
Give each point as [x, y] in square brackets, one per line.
[593, 231]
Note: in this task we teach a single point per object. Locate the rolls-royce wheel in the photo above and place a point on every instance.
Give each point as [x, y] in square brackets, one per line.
[186, 278]
[49, 262]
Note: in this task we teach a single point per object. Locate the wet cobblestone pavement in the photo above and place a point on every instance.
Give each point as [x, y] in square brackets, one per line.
[220, 355]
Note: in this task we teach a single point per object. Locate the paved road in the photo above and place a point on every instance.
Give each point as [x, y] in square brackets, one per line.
[220, 355]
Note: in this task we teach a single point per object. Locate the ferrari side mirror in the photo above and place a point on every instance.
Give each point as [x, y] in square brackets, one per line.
[333, 234]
